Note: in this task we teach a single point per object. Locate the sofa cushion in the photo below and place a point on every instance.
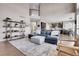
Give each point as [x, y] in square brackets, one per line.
[55, 33]
[43, 32]
[51, 40]
[48, 32]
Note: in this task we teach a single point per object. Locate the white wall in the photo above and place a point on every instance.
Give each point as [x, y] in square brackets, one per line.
[56, 12]
[48, 26]
[16, 12]
[78, 24]
[78, 18]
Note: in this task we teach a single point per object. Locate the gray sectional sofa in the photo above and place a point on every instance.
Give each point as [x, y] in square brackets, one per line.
[48, 38]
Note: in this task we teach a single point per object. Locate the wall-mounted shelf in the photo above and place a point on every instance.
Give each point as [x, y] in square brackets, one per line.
[12, 28]
[13, 21]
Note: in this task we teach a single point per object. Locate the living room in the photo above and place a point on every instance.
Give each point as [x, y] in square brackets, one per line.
[35, 29]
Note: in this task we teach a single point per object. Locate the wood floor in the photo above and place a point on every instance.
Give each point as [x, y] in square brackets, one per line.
[6, 49]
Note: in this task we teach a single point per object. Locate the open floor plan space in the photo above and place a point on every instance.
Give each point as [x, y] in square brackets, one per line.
[12, 48]
[39, 29]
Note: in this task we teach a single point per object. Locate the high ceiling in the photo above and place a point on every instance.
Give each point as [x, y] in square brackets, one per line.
[34, 5]
[57, 12]
[50, 12]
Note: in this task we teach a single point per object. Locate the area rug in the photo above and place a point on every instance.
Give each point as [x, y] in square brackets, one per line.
[31, 49]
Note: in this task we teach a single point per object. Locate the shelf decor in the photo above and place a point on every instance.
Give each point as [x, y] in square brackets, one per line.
[13, 29]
